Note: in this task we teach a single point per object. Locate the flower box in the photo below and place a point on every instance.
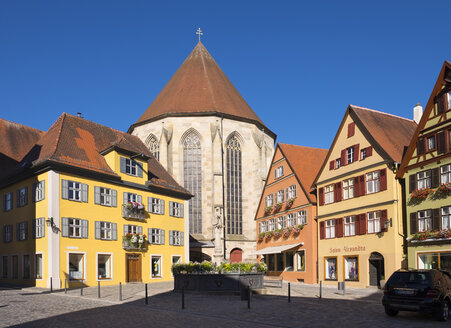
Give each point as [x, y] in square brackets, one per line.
[277, 207]
[431, 235]
[134, 242]
[133, 210]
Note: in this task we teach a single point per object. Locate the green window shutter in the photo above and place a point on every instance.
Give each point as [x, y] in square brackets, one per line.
[114, 231]
[436, 224]
[97, 230]
[65, 227]
[113, 198]
[84, 193]
[84, 228]
[122, 164]
[413, 223]
[96, 195]
[64, 189]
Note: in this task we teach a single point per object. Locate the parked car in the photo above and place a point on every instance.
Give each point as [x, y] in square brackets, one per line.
[418, 290]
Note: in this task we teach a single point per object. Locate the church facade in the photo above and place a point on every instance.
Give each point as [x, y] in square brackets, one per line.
[210, 140]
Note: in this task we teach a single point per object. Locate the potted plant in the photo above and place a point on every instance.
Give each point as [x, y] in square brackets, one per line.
[269, 234]
[443, 191]
[420, 194]
[289, 203]
[268, 209]
[277, 207]
[261, 236]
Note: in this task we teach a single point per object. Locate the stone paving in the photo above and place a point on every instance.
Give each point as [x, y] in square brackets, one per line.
[35, 307]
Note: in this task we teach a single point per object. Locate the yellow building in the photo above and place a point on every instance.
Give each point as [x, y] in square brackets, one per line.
[360, 201]
[85, 203]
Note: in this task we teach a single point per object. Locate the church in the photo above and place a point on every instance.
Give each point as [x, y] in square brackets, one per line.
[210, 140]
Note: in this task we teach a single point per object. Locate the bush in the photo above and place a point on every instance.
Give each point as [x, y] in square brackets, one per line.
[208, 267]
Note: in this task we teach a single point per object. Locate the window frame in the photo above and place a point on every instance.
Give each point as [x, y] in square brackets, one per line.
[76, 190]
[36, 255]
[373, 221]
[329, 225]
[431, 143]
[278, 172]
[326, 273]
[177, 238]
[349, 225]
[39, 191]
[297, 256]
[8, 201]
[22, 233]
[329, 194]
[156, 205]
[160, 271]
[180, 261]
[433, 252]
[291, 192]
[110, 266]
[22, 197]
[445, 215]
[83, 254]
[269, 200]
[425, 220]
[301, 218]
[348, 188]
[29, 267]
[446, 174]
[8, 234]
[176, 209]
[272, 224]
[350, 155]
[130, 166]
[373, 184]
[357, 267]
[424, 177]
[363, 154]
[156, 237]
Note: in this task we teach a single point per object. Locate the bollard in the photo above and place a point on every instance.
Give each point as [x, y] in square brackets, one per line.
[98, 289]
[147, 301]
[65, 286]
[289, 293]
[183, 298]
[81, 288]
[344, 288]
[120, 291]
[320, 289]
[248, 297]
[51, 285]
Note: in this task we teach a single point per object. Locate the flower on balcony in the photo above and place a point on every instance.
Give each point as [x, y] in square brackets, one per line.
[269, 234]
[289, 202]
[134, 240]
[135, 206]
[441, 234]
[268, 209]
[443, 191]
[420, 194]
[277, 207]
[261, 236]
[287, 232]
[278, 233]
[297, 229]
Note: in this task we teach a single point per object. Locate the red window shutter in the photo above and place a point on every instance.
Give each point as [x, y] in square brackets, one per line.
[356, 152]
[413, 223]
[322, 230]
[338, 228]
[421, 146]
[357, 224]
[356, 187]
[337, 192]
[362, 187]
[441, 142]
[441, 104]
[362, 224]
[384, 222]
[383, 179]
[321, 196]
[331, 165]
[343, 158]
[412, 182]
[435, 177]
[369, 151]
[351, 129]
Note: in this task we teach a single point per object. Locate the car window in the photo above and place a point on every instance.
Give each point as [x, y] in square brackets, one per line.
[422, 278]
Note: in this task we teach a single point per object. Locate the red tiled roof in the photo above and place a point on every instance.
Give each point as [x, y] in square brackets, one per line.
[77, 142]
[15, 141]
[306, 162]
[392, 133]
[199, 87]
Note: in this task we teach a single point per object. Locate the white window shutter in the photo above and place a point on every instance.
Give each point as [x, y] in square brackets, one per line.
[114, 198]
[42, 227]
[84, 193]
[171, 237]
[125, 197]
[96, 195]
[125, 229]
[122, 164]
[64, 189]
[97, 231]
[43, 190]
[84, 228]
[162, 206]
[149, 204]
[182, 241]
[114, 231]
[149, 235]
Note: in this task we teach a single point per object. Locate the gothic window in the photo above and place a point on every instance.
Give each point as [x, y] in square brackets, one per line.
[154, 146]
[234, 187]
[192, 172]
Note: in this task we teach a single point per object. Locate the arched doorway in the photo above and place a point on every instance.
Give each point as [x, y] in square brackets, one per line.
[236, 255]
[376, 268]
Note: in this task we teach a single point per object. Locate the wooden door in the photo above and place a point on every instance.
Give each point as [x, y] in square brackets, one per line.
[133, 267]
[236, 255]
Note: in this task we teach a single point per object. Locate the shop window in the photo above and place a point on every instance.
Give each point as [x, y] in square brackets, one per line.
[351, 264]
[76, 266]
[156, 266]
[330, 267]
[300, 260]
[280, 265]
[104, 266]
[289, 261]
[26, 267]
[270, 262]
[38, 266]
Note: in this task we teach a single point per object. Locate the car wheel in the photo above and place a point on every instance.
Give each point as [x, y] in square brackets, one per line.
[391, 312]
[443, 313]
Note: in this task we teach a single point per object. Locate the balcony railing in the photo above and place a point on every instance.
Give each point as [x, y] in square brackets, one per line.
[128, 245]
[133, 212]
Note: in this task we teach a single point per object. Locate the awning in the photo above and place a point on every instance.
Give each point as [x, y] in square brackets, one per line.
[277, 249]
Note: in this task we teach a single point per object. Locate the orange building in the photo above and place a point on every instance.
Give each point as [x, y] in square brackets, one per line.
[285, 219]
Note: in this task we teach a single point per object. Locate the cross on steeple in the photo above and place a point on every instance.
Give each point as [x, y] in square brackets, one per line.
[199, 32]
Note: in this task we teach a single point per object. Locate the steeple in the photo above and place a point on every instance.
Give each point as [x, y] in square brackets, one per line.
[199, 87]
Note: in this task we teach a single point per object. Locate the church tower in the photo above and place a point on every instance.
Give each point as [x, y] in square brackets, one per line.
[209, 139]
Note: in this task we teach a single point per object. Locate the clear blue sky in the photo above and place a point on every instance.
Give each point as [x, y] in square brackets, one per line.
[297, 63]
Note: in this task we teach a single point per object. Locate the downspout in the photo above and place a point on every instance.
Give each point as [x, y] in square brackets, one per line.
[223, 188]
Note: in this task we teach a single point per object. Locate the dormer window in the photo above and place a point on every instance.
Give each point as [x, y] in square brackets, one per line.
[131, 167]
[279, 172]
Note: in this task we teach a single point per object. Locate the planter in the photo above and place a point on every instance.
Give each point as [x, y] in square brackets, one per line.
[212, 282]
[129, 246]
[133, 213]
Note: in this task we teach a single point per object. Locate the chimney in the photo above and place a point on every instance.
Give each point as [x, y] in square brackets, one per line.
[417, 113]
[79, 115]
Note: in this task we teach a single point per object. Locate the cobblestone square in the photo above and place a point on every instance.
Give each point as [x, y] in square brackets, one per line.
[34, 307]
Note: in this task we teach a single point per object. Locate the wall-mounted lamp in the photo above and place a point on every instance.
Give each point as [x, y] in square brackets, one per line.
[50, 222]
[388, 222]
